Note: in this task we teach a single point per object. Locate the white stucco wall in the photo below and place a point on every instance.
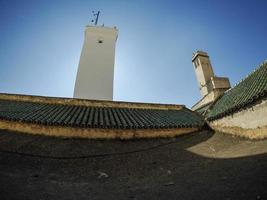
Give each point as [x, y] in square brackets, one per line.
[96, 67]
[253, 117]
[251, 122]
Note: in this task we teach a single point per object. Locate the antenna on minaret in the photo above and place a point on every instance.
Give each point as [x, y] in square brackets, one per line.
[96, 16]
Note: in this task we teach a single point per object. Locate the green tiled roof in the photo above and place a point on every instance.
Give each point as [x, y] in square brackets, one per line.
[250, 89]
[97, 117]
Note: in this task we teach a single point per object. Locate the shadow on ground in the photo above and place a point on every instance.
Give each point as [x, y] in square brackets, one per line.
[198, 166]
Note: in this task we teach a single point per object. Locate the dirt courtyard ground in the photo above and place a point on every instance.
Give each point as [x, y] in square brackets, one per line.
[203, 165]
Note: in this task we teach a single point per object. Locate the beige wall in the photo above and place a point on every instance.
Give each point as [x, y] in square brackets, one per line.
[92, 133]
[251, 122]
[220, 82]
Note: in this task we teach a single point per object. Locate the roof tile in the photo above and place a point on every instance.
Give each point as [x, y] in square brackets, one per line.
[97, 117]
[250, 89]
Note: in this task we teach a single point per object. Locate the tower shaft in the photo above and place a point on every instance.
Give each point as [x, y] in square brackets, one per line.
[96, 67]
[207, 81]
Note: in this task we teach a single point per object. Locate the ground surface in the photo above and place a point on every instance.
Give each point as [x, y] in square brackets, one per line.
[197, 166]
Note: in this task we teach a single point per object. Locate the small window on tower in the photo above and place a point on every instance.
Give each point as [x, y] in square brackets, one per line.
[100, 40]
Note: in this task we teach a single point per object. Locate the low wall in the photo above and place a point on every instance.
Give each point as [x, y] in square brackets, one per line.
[211, 97]
[92, 133]
[84, 102]
[250, 122]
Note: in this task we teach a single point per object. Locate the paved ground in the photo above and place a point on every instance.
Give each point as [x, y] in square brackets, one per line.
[198, 166]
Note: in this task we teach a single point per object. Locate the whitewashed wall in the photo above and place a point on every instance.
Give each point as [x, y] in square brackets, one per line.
[96, 68]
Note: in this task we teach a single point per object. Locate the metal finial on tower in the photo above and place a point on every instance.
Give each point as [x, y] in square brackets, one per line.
[96, 16]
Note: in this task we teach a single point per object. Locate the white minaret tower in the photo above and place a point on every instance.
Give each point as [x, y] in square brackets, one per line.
[96, 67]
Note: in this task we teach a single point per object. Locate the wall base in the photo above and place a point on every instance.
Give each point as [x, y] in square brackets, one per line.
[92, 133]
[257, 133]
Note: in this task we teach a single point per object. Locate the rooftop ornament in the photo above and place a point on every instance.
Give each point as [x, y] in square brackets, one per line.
[95, 17]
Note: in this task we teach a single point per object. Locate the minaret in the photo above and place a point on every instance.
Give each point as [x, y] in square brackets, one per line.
[203, 71]
[208, 82]
[96, 67]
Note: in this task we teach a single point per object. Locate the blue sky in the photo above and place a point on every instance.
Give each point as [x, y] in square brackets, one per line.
[41, 41]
